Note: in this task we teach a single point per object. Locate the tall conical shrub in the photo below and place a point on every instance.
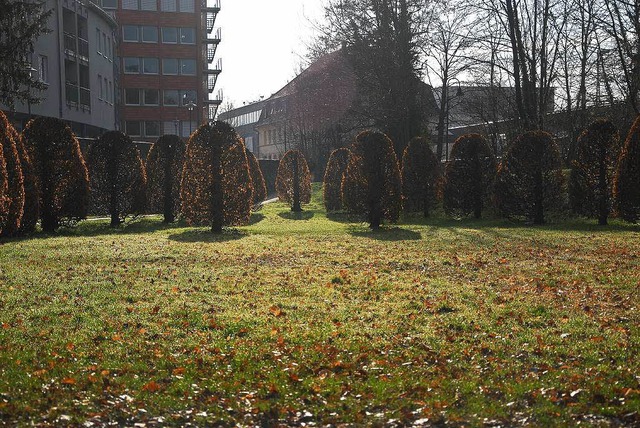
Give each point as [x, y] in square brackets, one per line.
[332, 184]
[60, 171]
[31, 210]
[257, 179]
[420, 174]
[216, 187]
[118, 178]
[529, 179]
[469, 177]
[8, 137]
[293, 181]
[626, 188]
[372, 185]
[165, 162]
[592, 172]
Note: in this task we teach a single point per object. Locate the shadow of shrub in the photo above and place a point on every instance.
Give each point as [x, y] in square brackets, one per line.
[388, 234]
[290, 215]
[205, 235]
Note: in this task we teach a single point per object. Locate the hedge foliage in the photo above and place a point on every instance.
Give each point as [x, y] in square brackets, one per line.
[420, 175]
[15, 181]
[165, 162]
[216, 187]
[5, 199]
[293, 182]
[372, 185]
[529, 179]
[592, 173]
[61, 173]
[31, 210]
[118, 178]
[469, 177]
[332, 185]
[257, 179]
[626, 188]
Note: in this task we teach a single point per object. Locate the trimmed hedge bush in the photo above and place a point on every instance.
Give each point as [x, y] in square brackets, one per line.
[529, 179]
[15, 190]
[118, 178]
[469, 177]
[216, 187]
[31, 210]
[5, 200]
[165, 162]
[420, 174]
[257, 179]
[61, 173]
[332, 186]
[372, 185]
[293, 182]
[592, 173]
[626, 188]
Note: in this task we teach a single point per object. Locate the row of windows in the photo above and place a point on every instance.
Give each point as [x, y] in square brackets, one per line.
[106, 90]
[170, 66]
[149, 128]
[149, 34]
[187, 6]
[245, 119]
[104, 45]
[151, 97]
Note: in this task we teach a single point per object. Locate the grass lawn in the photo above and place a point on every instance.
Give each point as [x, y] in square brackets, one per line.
[318, 320]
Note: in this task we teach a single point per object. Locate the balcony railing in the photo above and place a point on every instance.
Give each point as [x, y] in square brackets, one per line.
[211, 53]
[71, 93]
[69, 44]
[211, 82]
[83, 48]
[85, 97]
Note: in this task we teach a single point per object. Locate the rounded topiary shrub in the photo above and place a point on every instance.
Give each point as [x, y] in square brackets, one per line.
[332, 185]
[257, 179]
[420, 174]
[5, 200]
[529, 178]
[592, 172]
[61, 174]
[165, 162]
[293, 181]
[118, 178]
[372, 185]
[469, 177]
[8, 137]
[31, 210]
[216, 187]
[626, 188]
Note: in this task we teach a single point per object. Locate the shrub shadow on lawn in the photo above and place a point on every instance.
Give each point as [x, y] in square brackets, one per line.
[256, 218]
[343, 217]
[205, 235]
[290, 215]
[388, 234]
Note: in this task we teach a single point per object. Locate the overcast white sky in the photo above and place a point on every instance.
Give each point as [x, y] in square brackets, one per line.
[263, 45]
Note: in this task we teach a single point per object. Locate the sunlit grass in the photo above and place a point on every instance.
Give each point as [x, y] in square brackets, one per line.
[318, 319]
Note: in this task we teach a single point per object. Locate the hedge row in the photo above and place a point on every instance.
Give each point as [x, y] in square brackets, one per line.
[527, 184]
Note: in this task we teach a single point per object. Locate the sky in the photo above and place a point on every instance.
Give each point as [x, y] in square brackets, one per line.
[263, 45]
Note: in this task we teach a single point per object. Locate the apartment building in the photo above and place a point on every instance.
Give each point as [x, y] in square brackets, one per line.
[167, 65]
[76, 61]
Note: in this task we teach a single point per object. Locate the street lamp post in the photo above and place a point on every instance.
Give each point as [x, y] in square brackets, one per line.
[190, 106]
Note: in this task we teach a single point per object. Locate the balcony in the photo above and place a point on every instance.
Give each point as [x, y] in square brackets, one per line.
[211, 53]
[217, 37]
[211, 6]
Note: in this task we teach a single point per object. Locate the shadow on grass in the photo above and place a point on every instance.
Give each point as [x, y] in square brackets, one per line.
[388, 234]
[205, 235]
[343, 217]
[256, 218]
[290, 215]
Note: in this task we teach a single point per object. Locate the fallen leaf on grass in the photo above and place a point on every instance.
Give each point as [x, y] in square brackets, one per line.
[152, 386]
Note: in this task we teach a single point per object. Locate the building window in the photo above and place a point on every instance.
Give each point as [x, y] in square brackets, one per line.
[101, 93]
[132, 128]
[187, 6]
[168, 5]
[188, 67]
[151, 97]
[188, 36]
[150, 66]
[169, 66]
[98, 41]
[131, 65]
[130, 4]
[43, 69]
[129, 33]
[148, 5]
[188, 97]
[151, 129]
[170, 97]
[109, 4]
[149, 34]
[132, 97]
[110, 93]
[109, 49]
[169, 35]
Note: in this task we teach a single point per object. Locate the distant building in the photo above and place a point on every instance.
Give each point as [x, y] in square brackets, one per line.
[165, 51]
[76, 61]
[244, 120]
